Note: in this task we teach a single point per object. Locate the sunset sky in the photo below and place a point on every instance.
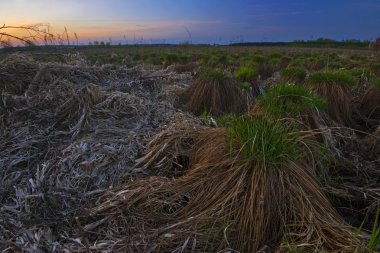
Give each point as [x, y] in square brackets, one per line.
[208, 21]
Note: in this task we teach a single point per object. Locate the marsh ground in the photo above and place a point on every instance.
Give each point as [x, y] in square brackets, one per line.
[80, 173]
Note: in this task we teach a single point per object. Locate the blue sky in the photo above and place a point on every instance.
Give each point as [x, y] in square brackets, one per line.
[209, 21]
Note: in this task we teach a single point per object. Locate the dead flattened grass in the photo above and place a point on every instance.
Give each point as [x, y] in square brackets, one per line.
[169, 152]
[355, 174]
[67, 138]
[16, 73]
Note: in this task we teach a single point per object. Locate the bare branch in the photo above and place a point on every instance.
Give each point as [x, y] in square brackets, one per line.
[29, 33]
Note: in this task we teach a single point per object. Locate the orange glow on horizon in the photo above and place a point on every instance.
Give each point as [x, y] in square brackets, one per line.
[116, 31]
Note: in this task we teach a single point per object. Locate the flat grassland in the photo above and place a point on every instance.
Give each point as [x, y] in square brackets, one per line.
[189, 149]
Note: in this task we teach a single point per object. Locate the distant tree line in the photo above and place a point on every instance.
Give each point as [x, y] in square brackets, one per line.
[320, 42]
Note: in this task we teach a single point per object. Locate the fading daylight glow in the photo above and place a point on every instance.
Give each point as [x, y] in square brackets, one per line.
[147, 30]
[99, 20]
[207, 20]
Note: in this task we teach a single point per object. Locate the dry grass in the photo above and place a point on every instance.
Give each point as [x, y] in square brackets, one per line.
[369, 103]
[265, 70]
[16, 73]
[293, 75]
[335, 88]
[216, 93]
[69, 136]
[222, 202]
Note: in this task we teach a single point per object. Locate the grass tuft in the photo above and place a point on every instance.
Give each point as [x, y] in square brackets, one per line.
[333, 78]
[246, 73]
[259, 140]
[285, 100]
[374, 241]
[376, 82]
[361, 73]
[335, 87]
[216, 93]
[211, 75]
[293, 74]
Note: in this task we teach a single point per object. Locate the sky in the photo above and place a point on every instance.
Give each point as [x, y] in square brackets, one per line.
[198, 21]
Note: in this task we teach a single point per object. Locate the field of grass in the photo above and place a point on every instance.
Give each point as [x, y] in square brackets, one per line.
[189, 149]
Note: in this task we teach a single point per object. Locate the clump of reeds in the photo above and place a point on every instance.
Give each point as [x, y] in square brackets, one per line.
[316, 64]
[214, 92]
[335, 87]
[293, 75]
[375, 68]
[265, 70]
[288, 101]
[247, 186]
[284, 62]
[247, 75]
[271, 151]
[170, 59]
[369, 104]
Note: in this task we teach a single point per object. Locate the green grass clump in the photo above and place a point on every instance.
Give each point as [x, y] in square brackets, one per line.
[360, 72]
[221, 59]
[245, 73]
[225, 119]
[374, 241]
[245, 86]
[171, 58]
[275, 56]
[285, 100]
[204, 58]
[332, 77]
[376, 82]
[212, 75]
[375, 67]
[261, 141]
[295, 74]
[297, 62]
[184, 58]
[335, 65]
[258, 58]
[275, 61]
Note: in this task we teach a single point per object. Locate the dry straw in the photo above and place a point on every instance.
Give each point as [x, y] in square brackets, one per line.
[66, 135]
